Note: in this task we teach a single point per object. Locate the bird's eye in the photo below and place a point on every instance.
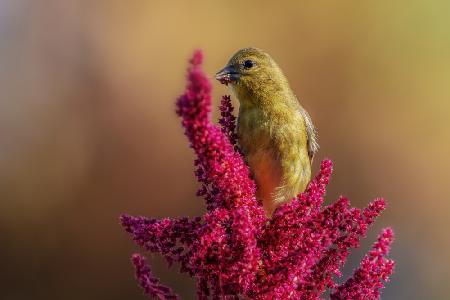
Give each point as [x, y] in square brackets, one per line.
[248, 64]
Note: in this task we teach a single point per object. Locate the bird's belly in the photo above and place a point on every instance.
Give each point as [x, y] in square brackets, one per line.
[268, 175]
[276, 152]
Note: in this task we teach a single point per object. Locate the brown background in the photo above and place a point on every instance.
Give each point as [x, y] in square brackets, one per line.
[88, 129]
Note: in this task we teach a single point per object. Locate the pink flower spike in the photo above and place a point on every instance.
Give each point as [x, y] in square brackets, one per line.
[366, 281]
[234, 251]
[151, 285]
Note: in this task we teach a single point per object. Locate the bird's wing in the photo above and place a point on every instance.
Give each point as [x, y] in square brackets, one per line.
[311, 133]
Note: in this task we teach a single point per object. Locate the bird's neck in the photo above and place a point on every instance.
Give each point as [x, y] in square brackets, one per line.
[262, 96]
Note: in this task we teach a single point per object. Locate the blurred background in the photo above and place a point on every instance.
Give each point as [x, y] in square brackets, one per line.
[88, 129]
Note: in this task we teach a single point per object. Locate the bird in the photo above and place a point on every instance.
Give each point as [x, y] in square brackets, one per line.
[275, 133]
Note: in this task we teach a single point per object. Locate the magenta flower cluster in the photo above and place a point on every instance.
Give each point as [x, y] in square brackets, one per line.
[234, 251]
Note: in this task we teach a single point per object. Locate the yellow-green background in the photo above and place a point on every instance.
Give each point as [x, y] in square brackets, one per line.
[88, 129]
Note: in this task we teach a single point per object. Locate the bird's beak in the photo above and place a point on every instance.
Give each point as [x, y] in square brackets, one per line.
[227, 75]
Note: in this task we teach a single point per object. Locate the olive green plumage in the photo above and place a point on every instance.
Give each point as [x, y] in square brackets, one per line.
[275, 133]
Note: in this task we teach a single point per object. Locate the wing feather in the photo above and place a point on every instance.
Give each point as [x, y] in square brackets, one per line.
[311, 132]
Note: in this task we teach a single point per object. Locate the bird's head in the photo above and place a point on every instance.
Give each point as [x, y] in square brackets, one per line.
[251, 70]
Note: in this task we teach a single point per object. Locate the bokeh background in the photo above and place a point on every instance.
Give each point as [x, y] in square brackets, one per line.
[88, 129]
